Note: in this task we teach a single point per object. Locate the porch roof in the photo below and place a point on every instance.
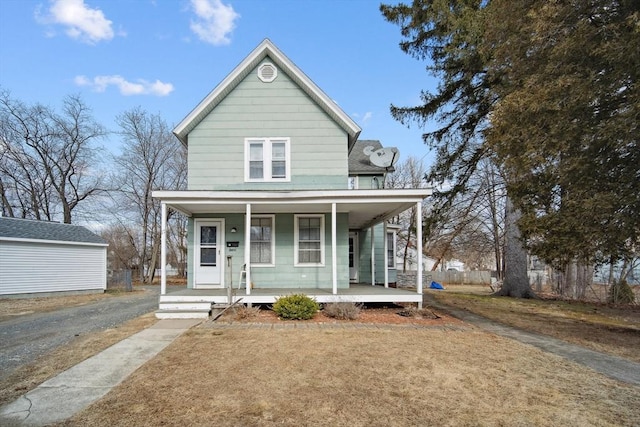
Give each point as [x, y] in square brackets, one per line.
[365, 207]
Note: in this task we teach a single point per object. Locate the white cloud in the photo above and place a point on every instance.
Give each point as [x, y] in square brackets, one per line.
[81, 22]
[127, 88]
[214, 21]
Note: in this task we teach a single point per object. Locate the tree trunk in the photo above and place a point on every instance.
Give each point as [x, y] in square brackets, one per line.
[516, 283]
[154, 260]
[406, 251]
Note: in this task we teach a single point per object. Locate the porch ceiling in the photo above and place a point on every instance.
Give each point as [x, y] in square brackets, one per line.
[365, 207]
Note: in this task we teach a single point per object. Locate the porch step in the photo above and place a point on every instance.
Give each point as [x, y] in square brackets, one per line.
[181, 314]
[183, 310]
[184, 305]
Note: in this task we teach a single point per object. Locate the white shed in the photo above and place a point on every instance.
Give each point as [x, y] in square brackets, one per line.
[48, 257]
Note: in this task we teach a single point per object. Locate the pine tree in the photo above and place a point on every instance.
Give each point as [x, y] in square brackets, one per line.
[451, 35]
[549, 91]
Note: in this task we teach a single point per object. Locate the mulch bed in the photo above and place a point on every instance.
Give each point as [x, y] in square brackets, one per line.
[393, 315]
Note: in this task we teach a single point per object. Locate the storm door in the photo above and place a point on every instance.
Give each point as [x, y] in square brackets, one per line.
[208, 254]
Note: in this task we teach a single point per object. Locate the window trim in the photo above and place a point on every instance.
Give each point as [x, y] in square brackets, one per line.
[267, 152]
[273, 242]
[392, 248]
[296, 241]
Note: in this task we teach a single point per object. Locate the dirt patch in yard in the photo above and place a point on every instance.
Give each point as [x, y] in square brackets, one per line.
[360, 377]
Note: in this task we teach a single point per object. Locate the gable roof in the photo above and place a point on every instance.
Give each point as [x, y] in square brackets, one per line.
[360, 163]
[266, 49]
[26, 229]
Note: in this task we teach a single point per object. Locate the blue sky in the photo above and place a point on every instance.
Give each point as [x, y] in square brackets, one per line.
[166, 55]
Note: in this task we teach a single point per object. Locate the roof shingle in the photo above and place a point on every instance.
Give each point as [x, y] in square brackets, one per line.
[19, 228]
[359, 162]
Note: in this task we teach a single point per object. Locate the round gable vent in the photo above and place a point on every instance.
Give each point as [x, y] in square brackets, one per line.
[267, 72]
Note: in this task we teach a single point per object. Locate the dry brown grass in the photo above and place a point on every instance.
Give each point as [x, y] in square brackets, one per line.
[606, 328]
[360, 377]
[49, 365]
[356, 377]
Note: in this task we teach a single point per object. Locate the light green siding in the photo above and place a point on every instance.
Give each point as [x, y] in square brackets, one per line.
[278, 109]
[284, 274]
[366, 182]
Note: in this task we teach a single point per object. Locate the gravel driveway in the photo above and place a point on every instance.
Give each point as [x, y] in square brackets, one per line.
[25, 338]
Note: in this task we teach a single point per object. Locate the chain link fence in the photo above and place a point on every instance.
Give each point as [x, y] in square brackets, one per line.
[120, 279]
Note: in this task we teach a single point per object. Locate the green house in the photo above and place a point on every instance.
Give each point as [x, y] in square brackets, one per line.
[282, 197]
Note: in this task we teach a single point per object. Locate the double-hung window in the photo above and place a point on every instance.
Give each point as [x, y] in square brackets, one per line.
[267, 159]
[309, 240]
[262, 240]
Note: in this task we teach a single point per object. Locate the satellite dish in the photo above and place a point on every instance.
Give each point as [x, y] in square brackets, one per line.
[368, 150]
[383, 157]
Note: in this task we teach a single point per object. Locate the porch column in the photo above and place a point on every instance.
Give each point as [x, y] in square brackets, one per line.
[373, 257]
[334, 250]
[163, 250]
[386, 252]
[419, 248]
[247, 249]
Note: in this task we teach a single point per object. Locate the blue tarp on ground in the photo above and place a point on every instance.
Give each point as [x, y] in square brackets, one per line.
[436, 285]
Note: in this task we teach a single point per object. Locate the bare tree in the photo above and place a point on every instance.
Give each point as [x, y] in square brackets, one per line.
[122, 250]
[151, 159]
[471, 227]
[408, 174]
[48, 160]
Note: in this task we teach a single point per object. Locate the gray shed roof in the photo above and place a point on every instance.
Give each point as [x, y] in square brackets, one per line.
[359, 163]
[17, 228]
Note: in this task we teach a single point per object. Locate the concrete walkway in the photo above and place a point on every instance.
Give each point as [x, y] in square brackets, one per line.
[73, 390]
[611, 366]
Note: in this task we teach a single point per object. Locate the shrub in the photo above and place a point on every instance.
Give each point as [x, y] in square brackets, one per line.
[342, 310]
[621, 293]
[296, 307]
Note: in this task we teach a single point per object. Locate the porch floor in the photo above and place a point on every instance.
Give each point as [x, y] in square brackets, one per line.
[354, 293]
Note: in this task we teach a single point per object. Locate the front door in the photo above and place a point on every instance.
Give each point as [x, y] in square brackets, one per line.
[353, 257]
[208, 254]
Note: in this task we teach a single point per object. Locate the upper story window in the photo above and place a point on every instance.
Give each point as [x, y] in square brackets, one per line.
[267, 159]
